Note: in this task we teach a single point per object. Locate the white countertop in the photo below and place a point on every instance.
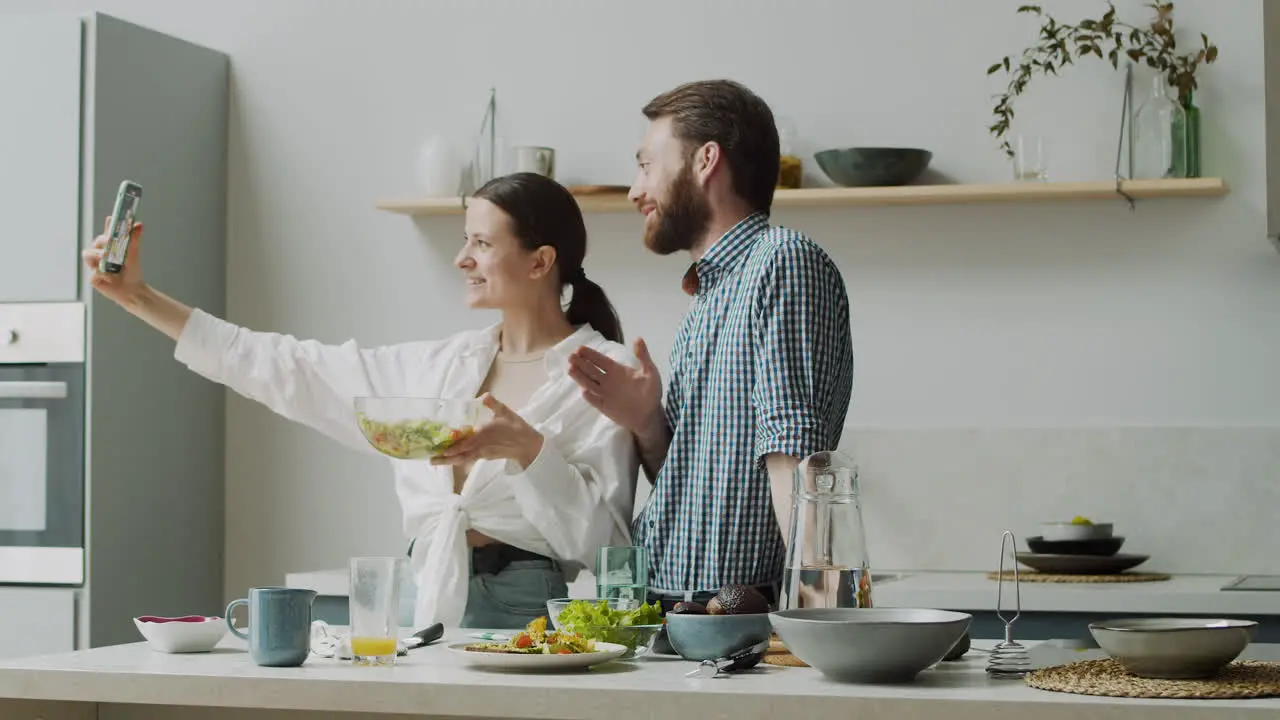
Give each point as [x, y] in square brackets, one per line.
[974, 592]
[429, 681]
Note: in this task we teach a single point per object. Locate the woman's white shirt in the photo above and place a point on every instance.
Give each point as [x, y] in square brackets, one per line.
[576, 496]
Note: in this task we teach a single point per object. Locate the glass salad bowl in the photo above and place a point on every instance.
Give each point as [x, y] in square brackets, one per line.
[409, 428]
[624, 621]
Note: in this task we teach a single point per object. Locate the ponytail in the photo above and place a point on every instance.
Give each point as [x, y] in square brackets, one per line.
[589, 305]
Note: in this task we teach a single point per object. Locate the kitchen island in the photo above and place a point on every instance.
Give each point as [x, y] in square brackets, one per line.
[1050, 610]
[132, 682]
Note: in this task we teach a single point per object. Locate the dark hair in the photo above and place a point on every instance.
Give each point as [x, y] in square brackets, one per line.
[544, 212]
[739, 121]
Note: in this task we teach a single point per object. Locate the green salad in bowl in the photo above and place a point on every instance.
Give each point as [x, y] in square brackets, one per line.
[416, 428]
[625, 622]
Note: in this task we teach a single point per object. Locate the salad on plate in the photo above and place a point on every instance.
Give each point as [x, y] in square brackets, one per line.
[537, 640]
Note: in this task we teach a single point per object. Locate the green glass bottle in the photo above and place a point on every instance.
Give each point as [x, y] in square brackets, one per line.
[1190, 133]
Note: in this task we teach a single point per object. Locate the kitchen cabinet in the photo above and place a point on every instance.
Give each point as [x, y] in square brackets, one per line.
[36, 621]
[40, 73]
[101, 100]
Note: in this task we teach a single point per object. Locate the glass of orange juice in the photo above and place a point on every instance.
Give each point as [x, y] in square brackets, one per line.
[375, 609]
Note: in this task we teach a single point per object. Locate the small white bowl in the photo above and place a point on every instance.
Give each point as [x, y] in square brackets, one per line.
[1067, 530]
[187, 634]
[1173, 648]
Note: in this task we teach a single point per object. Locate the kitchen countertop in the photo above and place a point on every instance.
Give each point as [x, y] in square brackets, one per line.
[974, 592]
[130, 681]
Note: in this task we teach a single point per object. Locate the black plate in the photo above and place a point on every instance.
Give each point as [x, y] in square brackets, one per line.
[1095, 546]
[1081, 564]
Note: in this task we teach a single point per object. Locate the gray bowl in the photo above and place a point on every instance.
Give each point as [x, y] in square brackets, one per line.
[870, 645]
[1173, 648]
[709, 637]
[873, 166]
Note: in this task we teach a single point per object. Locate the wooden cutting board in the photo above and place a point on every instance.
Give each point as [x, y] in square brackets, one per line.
[778, 654]
[599, 189]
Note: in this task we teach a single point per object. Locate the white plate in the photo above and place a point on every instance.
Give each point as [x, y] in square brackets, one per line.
[512, 661]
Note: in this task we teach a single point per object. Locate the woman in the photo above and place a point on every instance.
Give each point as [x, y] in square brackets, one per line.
[497, 523]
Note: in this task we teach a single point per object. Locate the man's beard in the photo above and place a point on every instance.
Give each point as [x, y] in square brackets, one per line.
[681, 219]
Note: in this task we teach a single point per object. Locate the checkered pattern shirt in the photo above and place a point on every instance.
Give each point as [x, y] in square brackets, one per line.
[762, 363]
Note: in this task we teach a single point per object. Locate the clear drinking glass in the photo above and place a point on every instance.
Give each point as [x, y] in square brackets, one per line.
[622, 571]
[374, 607]
[1030, 158]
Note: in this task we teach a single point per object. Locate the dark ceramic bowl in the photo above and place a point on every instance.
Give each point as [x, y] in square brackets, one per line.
[1093, 546]
[873, 166]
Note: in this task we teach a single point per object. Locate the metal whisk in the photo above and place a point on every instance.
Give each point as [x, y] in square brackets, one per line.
[1008, 659]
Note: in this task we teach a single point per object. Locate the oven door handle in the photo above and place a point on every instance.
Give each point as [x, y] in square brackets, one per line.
[32, 390]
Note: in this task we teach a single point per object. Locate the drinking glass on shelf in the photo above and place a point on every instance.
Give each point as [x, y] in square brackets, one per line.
[1030, 158]
[622, 571]
[375, 606]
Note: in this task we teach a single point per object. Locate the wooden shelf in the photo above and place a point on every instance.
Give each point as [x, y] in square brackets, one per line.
[903, 195]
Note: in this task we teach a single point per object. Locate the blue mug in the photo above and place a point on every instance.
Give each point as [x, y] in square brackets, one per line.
[279, 625]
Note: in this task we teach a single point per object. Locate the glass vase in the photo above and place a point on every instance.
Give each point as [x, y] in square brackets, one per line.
[1160, 136]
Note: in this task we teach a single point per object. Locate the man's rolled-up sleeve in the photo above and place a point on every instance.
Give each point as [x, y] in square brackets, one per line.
[803, 356]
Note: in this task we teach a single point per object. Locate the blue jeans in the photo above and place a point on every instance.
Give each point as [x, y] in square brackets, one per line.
[514, 596]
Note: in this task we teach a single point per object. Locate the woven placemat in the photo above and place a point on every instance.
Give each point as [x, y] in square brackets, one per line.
[779, 655]
[1120, 577]
[1241, 679]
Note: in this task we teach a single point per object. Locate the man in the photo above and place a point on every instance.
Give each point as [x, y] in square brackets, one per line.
[762, 364]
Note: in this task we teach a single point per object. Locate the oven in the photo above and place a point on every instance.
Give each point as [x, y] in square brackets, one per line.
[42, 443]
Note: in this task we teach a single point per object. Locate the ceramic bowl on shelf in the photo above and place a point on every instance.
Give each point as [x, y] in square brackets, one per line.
[1173, 648]
[186, 634]
[873, 166]
[416, 428]
[1059, 530]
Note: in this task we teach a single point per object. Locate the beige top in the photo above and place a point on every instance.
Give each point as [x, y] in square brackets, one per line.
[512, 380]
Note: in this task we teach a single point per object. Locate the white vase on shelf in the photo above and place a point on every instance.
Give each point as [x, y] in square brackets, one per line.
[439, 168]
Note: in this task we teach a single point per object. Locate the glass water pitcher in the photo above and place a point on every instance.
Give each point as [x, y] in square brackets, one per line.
[827, 563]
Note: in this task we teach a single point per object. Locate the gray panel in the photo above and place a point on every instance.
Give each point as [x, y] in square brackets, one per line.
[157, 465]
[36, 621]
[1271, 76]
[40, 66]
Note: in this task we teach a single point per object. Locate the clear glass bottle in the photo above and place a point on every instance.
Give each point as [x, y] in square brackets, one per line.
[790, 166]
[1160, 135]
[1192, 133]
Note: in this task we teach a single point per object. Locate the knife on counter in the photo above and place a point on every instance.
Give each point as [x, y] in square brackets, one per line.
[423, 637]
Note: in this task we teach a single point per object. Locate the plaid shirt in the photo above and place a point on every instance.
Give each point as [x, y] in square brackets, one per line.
[762, 363]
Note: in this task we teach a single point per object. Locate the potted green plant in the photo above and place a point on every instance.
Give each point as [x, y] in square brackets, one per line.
[1061, 44]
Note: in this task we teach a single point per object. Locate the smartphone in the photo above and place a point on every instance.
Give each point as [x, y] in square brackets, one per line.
[122, 218]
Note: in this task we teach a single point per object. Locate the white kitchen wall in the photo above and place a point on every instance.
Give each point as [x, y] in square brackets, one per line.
[1015, 362]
